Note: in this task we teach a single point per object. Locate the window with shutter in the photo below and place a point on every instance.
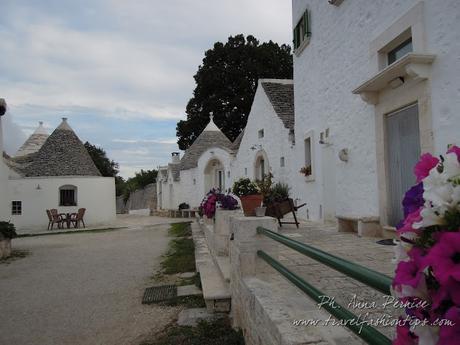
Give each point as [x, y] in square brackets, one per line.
[302, 33]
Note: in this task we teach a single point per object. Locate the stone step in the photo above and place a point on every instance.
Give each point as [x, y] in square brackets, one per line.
[216, 291]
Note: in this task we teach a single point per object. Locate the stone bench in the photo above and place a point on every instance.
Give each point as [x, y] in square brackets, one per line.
[368, 226]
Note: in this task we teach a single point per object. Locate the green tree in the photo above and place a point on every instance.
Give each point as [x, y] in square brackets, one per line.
[226, 83]
[106, 166]
[140, 180]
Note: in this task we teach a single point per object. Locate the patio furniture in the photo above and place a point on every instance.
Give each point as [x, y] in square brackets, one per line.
[54, 218]
[279, 209]
[76, 218]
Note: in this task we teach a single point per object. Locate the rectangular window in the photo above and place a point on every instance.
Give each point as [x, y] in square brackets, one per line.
[67, 197]
[308, 155]
[245, 171]
[282, 162]
[401, 50]
[16, 208]
[261, 133]
[302, 30]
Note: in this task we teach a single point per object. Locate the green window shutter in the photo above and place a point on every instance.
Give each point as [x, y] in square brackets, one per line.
[296, 37]
[306, 24]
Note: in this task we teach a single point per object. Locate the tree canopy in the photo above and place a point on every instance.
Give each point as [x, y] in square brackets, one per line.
[106, 166]
[226, 83]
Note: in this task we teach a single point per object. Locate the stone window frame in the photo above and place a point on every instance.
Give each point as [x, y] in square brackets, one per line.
[409, 25]
[16, 207]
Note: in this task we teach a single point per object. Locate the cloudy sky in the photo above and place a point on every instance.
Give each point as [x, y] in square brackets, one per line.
[121, 71]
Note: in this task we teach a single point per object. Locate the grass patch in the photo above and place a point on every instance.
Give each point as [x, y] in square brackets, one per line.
[15, 255]
[196, 301]
[180, 230]
[180, 257]
[218, 332]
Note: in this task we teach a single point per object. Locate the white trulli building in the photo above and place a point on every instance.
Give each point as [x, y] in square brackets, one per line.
[213, 161]
[57, 172]
[376, 84]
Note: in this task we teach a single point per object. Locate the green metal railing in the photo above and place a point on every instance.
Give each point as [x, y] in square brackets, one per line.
[375, 280]
[371, 278]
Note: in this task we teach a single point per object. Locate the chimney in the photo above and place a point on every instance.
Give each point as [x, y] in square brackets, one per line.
[175, 157]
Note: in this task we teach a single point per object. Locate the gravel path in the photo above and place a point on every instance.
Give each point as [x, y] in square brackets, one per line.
[82, 288]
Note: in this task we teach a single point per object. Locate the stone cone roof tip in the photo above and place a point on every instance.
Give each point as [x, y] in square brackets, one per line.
[63, 154]
[34, 142]
[211, 125]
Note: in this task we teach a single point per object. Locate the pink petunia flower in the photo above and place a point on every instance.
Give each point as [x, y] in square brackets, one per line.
[448, 292]
[404, 336]
[444, 257]
[408, 223]
[423, 167]
[407, 273]
[456, 150]
[450, 334]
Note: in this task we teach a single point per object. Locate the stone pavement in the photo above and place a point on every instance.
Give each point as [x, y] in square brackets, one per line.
[364, 251]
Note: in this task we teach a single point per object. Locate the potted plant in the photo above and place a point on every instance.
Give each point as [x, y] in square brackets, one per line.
[7, 232]
[249, 195]
[215, 199]
[264, 186]
[278, 202]
[306, 170]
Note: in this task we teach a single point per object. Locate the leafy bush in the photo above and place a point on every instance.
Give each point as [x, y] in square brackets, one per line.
[245, 186]
[7, 230]
[279, 192]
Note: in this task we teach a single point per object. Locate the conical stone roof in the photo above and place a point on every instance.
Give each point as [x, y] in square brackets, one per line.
[63, 154]
[210, 137]
[34, 142]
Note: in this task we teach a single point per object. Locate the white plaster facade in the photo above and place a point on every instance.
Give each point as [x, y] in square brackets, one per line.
[4, 204]
[274, 145]
[345, 49]
[96, 194]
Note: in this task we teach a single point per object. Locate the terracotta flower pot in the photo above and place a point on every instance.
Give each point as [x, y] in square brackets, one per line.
[249, 203]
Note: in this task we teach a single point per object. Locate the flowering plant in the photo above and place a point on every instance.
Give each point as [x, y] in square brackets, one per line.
[306, 170]
[214, 199]
[245, 186]
[428, 253]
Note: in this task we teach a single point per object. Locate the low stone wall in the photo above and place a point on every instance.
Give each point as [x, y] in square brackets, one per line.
[263, 303]
[141, 201]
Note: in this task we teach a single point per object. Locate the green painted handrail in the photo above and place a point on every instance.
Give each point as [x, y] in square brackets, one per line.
[376, 280]
[365, 332]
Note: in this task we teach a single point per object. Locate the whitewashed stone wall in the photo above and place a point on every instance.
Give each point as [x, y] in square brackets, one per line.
[335, 62]
[275, 143]
[4, 202]
[96, 194]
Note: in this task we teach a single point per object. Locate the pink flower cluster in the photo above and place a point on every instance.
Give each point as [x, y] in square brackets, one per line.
[428, 253]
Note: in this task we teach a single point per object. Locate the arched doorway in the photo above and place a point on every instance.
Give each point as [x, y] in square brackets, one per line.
[261, 166]
[214, 175]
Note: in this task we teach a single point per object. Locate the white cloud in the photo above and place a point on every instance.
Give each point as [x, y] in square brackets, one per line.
[13, 135]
